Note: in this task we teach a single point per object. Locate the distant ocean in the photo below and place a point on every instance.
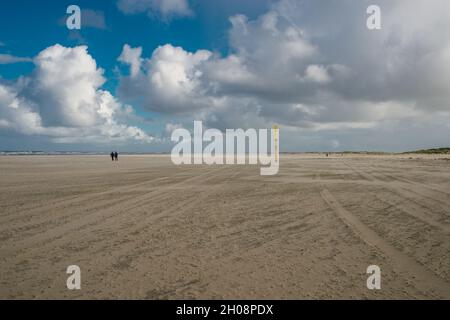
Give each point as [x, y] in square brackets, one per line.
[46, 153]
[55, 153]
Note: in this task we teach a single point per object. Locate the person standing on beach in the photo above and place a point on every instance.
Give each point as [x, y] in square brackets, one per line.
[116, 156]
[112, 156]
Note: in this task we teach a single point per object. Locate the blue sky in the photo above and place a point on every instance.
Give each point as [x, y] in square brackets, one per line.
[27, 26]
[312, 67]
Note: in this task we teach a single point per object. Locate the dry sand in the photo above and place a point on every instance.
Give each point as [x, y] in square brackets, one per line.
[145, 228]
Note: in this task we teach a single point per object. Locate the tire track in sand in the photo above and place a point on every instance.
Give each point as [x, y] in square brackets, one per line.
[422, 279]
[423, 190]
[36, 220]
[433, 187]
[412, 209]
[91, 219]
[126, 250]
[66, 201]
[409, 201]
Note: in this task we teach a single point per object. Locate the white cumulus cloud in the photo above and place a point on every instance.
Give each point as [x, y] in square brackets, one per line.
[63, 100]
[308, 68]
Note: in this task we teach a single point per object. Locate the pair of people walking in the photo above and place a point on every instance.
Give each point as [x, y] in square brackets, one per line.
[114, 156]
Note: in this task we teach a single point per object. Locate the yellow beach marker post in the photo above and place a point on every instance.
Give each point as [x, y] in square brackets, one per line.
[275, 140]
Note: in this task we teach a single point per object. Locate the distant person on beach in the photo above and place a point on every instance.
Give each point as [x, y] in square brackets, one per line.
[112, 156]
[116, 156]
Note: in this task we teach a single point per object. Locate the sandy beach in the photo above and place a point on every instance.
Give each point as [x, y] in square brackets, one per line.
[143, 228]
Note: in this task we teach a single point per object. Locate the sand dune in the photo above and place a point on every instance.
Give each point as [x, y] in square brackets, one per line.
[145, 228]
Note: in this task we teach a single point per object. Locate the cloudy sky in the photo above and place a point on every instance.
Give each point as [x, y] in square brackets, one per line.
[137, 69]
